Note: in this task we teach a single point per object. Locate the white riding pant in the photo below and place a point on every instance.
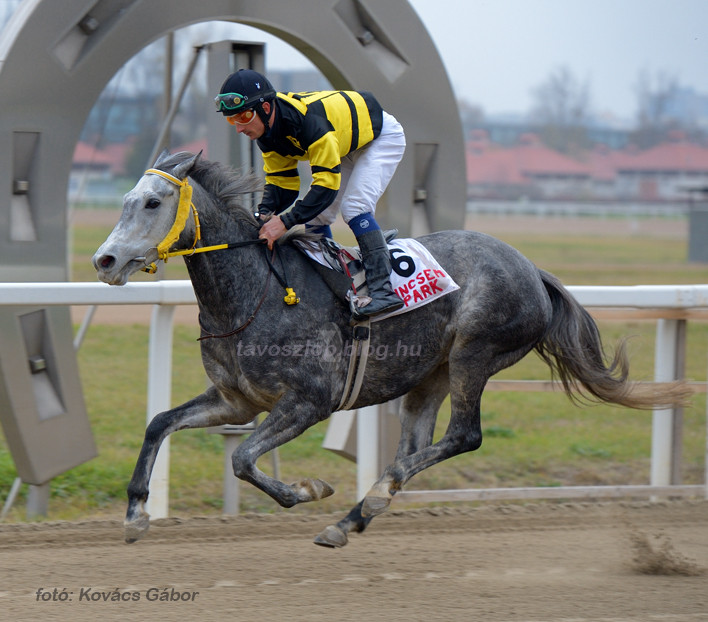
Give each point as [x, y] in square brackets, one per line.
[366, 173]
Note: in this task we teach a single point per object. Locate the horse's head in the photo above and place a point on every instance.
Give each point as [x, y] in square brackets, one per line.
[150, 211]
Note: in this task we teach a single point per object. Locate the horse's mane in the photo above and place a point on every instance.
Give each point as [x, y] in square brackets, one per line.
[224, 183]
[228, 185]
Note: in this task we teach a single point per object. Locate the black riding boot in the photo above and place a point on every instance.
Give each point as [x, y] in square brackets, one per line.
[377, 263]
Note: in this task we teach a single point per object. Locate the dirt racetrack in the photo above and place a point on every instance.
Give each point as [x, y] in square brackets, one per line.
[575, 562]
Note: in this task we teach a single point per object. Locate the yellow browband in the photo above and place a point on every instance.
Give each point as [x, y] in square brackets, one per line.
[183, 207]
[185, 203]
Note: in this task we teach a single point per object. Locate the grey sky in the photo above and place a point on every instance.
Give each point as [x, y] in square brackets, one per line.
[496, 51]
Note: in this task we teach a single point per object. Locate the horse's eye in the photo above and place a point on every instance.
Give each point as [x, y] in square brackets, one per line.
[152, 204]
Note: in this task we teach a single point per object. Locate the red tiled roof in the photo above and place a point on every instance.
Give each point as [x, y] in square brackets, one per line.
[495, 166]
[603, 162]
[86, 154]
[536, 159]
[112, 157]
[675, 156]
[491, 164]
[118, 154]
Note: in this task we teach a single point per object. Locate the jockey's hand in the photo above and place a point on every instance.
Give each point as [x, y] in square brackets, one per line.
[272, 230]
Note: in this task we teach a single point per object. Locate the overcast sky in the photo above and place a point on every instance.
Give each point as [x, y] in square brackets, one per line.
[497, 51]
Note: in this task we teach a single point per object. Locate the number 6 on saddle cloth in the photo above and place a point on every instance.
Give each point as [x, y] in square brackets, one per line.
[417, 277]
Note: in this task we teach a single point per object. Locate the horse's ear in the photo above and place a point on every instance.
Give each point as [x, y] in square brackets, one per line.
[182, 170]
[163, 155]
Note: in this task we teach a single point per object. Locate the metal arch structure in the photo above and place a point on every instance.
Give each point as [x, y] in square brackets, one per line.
[55, 60]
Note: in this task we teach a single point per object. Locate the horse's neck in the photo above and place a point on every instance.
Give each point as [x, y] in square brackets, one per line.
[224, 279]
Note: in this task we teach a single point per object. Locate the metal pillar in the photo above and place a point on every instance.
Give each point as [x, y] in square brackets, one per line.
[667, 428]
[37, 501]
[232, 439]
[367, 447]
[158, 400]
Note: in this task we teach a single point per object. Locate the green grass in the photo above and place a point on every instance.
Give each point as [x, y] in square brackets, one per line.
[531, 439]
[596, 260]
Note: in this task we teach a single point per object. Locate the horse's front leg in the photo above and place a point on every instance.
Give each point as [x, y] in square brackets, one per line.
[419, 410]
[289, 418]
[207, 409]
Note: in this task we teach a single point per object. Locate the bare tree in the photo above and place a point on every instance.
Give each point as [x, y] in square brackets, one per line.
[655, 94]
[562, 110]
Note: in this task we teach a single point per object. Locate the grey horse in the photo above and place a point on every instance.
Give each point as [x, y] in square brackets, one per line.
[505, 307]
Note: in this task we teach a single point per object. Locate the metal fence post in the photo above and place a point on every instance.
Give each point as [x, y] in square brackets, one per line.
[666, 429]
[158, 400]
[367, 449]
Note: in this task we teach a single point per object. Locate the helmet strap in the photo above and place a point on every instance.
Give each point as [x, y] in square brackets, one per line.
[263, 116]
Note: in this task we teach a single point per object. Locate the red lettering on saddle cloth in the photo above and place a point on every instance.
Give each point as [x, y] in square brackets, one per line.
[421, 286]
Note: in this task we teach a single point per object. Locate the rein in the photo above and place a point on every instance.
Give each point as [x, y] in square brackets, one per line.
[183, 209]
[290, 297]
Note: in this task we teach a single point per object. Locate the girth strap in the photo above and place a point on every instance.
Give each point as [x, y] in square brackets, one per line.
[357, 364]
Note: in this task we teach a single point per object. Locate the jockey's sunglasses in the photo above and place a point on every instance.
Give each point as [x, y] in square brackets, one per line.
[242, 118]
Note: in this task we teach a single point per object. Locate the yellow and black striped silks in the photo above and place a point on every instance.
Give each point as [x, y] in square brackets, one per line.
[321, 127]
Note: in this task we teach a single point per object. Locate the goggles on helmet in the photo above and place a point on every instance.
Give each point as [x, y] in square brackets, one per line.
[244, 117]
[229, 101]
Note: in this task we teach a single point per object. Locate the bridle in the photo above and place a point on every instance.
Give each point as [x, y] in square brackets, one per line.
[184, 206]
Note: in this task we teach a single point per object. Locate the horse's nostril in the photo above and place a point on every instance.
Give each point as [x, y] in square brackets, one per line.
[106, 261]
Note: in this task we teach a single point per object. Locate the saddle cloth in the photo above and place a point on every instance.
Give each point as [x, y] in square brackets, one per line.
[417, 278]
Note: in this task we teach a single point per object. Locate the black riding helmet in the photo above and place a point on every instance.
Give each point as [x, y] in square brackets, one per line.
[242, 90]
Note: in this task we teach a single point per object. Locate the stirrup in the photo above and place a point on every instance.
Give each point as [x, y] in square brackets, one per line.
[359, 313]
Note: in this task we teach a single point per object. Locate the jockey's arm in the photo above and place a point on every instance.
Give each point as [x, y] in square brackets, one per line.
[282, 183]
[325, 164]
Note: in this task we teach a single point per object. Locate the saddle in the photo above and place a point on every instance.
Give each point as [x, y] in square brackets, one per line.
[344, 272]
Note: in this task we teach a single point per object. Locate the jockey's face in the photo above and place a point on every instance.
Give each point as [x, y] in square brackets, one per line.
[255, 128]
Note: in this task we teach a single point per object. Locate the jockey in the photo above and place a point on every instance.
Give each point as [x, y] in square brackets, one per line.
[353, 147]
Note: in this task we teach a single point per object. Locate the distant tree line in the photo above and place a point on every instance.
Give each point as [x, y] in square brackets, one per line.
[562, 112]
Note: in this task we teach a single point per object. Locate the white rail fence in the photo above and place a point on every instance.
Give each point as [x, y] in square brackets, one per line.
[670, 305]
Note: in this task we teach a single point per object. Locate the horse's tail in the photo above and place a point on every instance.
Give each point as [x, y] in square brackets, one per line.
[573, 349]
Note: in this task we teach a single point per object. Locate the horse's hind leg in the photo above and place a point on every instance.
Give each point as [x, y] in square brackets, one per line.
[463, 434]
[206, 410]
[419, 410]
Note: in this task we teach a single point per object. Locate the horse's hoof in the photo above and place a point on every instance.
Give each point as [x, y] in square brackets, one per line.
[312, 490]
[373, 506]
[323, 489]
[332, 537]
[137, 528]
